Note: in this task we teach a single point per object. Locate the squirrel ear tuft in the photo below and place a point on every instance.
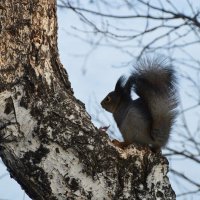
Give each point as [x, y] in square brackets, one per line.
[124, 86]
[119, 87]
[129, 85]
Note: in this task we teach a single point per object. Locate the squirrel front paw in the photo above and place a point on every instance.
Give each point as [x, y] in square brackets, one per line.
[121, 145]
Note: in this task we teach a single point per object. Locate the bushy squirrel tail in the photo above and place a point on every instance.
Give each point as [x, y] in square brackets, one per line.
[155, 83]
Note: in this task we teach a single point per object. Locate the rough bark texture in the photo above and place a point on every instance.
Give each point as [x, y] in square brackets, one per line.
[47, 140]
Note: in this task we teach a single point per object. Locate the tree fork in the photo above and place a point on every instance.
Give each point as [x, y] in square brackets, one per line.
[47, 140]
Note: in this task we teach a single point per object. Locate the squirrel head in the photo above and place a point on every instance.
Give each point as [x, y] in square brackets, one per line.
[111, 101]
[122, 93]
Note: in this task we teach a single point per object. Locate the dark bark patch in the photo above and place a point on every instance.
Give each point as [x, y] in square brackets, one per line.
[24, 102]
[159, 194]
[9, 106]
[57, 150]
[72, 183]
[37, 156]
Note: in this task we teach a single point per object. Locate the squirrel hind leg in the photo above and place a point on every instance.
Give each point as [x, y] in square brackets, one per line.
[156, 149]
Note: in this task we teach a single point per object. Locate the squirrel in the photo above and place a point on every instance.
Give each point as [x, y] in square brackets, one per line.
[147, 120]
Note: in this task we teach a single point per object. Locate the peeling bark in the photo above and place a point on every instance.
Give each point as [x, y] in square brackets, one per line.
[47, 140]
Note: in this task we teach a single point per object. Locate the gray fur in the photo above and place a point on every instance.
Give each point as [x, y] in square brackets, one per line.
[148, 119]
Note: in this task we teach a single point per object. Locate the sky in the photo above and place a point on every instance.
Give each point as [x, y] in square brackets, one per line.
[91, 80]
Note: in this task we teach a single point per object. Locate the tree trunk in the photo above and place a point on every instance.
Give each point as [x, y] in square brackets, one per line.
[47, 140]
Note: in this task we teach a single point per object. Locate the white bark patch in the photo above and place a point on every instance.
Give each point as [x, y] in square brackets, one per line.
[24, 118]
[156, 179]
[49, 131]
[48, 27]
[80, 133]
[71, 117]
[48, 71]
[23, 126]
[129, 151]
[60, 165]
[4, 117]
[91, 147]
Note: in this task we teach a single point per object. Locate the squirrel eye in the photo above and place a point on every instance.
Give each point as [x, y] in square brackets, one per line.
[108, 99]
